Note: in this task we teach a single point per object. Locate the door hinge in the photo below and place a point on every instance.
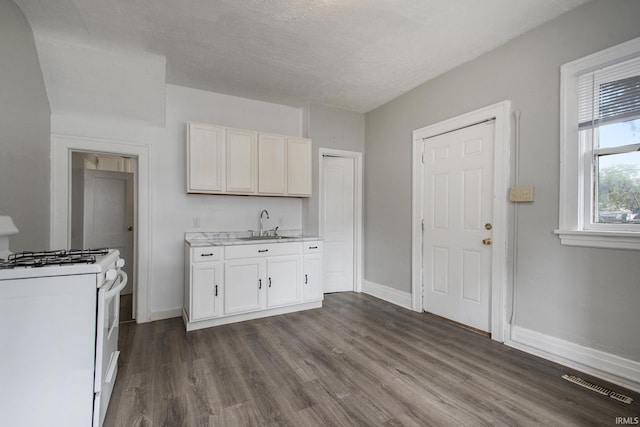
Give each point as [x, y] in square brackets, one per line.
[423, 225]
[422, 158]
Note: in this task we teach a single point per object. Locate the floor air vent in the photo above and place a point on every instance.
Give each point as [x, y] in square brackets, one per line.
[598, 389]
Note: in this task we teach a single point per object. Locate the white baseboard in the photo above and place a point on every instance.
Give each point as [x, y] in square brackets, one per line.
[609, 367]
[386, 293]
[165, 314]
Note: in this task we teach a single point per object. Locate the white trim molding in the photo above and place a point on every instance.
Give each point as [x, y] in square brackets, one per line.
[61, 148]
[357, 209]
[165, 314]
[501, 113]
[573, 228]
[599, 239]
[609, 367]
[387, 293]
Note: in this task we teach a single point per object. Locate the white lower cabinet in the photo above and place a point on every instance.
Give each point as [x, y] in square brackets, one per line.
[313, 266]
[203, 283]
[283, 280]
[245, 282]
[243, 285]
[205, 290]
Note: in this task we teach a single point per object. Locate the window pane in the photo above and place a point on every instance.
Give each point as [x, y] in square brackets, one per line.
[618, 134]
[618, 189]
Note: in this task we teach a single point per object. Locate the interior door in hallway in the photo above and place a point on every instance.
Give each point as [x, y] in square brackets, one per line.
[339, 223]
[458, 174]
[109, 215]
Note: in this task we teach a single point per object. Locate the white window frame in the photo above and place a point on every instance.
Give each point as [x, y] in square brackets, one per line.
[575, 172]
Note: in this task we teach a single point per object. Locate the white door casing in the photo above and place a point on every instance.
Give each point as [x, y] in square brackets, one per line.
[339, 224]
[498, 273]
[326, 154]
[458, 187]
[60, 223]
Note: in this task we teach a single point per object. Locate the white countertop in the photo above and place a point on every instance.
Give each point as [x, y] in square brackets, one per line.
[205, 239]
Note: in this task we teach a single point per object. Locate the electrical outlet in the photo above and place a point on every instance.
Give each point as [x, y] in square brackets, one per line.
[521, 194]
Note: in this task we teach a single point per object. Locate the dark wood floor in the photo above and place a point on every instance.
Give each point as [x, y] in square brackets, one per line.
[356, 361]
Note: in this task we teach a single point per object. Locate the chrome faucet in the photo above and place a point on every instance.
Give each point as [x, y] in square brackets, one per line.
[264, 211]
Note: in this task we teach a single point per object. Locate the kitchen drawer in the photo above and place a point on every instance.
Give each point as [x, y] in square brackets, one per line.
[207, 253]
[262, 250]
[312, 247]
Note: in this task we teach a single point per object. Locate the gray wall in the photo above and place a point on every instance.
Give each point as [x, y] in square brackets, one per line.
[24, 132]
[586, 296]
[329, 128]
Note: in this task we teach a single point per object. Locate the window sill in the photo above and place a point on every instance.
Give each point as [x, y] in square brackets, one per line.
[600, 239]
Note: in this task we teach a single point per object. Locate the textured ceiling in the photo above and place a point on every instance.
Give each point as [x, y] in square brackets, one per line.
[351, 54]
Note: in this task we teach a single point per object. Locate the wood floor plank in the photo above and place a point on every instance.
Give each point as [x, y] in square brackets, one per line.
[356, 361]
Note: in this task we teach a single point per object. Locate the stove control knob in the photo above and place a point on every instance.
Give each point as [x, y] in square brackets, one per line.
[120, 263]
[111, 274]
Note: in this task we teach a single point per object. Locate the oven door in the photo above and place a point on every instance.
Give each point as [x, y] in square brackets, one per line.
[107, 344]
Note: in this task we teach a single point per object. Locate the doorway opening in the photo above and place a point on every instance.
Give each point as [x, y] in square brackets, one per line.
[499, 115]
[103, 206]
[62, 148]
[340, 218]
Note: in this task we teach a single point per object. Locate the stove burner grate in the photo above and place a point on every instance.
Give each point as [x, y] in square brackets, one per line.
[51, 258]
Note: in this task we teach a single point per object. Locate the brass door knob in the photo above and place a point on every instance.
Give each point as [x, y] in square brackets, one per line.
[487, 241]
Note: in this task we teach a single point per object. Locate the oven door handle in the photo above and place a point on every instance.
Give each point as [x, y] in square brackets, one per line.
[112, 292]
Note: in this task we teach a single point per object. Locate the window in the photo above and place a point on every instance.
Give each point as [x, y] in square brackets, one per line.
[600, 149]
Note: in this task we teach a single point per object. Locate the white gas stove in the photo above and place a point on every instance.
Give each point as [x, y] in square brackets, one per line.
[59, 328]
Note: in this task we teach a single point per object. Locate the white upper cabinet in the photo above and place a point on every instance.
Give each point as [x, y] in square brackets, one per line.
[242, 148]
[272, 172]
[205, 158]
[236, 161]
[298, 167]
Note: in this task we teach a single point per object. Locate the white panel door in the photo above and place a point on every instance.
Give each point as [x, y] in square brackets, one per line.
[457, 221]
[338, 220]
[242, 164]
[109, 215]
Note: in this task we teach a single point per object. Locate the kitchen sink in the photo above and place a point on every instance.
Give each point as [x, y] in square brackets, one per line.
[266, 238]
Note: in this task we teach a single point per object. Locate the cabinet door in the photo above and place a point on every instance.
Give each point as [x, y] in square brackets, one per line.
[283, 279]
[298, 167]
[206, 285]
[272, 175]
[312, 289]
[244, 285]
[205, 158]
[242, 148]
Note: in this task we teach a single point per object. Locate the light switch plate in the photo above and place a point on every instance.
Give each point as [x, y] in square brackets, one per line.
[521, 194]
